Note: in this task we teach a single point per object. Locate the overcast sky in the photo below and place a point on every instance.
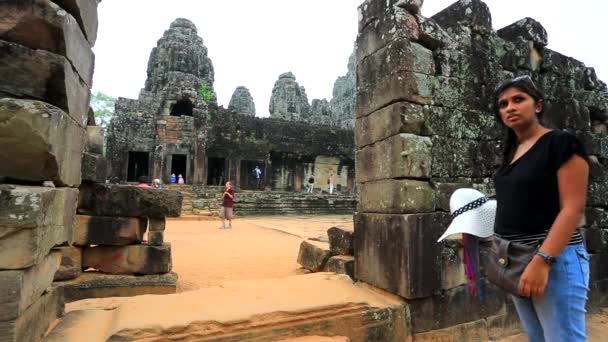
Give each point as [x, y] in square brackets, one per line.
[251, 42]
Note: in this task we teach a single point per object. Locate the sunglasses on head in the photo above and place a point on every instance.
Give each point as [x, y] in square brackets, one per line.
[522, 78]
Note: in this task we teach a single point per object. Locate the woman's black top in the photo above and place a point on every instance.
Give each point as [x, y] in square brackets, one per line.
[527, 190]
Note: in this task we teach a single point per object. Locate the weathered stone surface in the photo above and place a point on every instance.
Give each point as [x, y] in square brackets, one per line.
[526, 28]
[313, 255]
[34, 322]
[22, 288]
[598, 295]
[472, 14]
[44, 76]
[41, 141]
[459, 124]
[180, 50]
[464, 158]
[85, 13]
[507, 324]
[406, 196]
[32, 221]
[467, 332]
[55, 31]
[381, 22]
[94, 168]
[403, 86]
[241, 102]
[401, 156]
[99, 285]
[289, 100]
[400, 117]
[455, 306]
[451, 265]
[157, 224]
[320, 113]
[342, 104]
[596, 196]
[341, 264]
[400, 253]
[95, 139]
[596, 239]
[596, 217]
[597, 267]
[128, 201]
[71, 263]
[340, 241]
[156, 238]
[109, 231]
[133, 259]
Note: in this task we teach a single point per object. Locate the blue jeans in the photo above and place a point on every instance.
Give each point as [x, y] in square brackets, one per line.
[560, 314]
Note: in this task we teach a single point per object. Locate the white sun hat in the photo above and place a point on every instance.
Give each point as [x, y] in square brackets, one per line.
[472, 213]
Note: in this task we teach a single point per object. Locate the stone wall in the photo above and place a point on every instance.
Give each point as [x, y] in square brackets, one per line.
[424, 128]
[44, 106]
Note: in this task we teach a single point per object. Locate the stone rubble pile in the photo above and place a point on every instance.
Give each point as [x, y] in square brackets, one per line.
[332, 255]
[47, 65]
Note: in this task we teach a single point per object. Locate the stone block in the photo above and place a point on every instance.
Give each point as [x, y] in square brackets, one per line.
[452, 267]
[128, 201]
[22, 288]
[99, 285]
[398, 57]
[156, 238]
[403, 86]
[451, 92]
[71, 263]
[596, 239]
[567, 114]
[400, 253]
[35, 321]
[444, 191]
[41, 142]
[95, 139]
[340, 241]
[44, 76]
[596, 217]
[401, 156]
[133, 259]
[464, 158]
[55, 31]
[32, 221]
[85, 13]
[473, 14]
[157, 224]
[382, 22]
[596, 197]
[109, 231]
[313, 255]
[598, 295]
[341, 264]
[455, 306]
[526, 28]
[598, 267]
[400, 117]
[457, 124]
[95, 168]
[468, 332]
[504, 325]
[396, 197]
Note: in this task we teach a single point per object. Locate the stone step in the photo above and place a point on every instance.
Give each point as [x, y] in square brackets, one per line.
[323, 304]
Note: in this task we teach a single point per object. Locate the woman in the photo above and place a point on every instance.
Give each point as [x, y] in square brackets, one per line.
[541, 192]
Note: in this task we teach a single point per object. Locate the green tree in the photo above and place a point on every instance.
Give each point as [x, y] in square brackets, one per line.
[103, 107]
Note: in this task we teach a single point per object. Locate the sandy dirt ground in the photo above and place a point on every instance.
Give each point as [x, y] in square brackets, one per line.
[259, 247]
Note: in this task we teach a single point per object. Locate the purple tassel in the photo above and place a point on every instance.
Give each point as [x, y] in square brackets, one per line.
[470, 245]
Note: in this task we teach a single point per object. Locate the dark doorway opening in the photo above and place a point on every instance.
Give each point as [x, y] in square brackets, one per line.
[138, 165]
[178, 165]
[182, 107]
[248, 180]
[216, 171]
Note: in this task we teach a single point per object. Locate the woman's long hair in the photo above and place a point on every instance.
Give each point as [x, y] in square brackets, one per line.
[525, 84]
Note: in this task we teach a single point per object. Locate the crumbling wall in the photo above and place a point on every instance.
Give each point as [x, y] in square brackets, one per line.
[47, 73]
[424, 128]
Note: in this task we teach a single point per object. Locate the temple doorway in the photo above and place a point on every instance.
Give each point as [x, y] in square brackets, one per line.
[247, 179]
[216, 171]
[178, 165]
[137, 165]
[182, 107]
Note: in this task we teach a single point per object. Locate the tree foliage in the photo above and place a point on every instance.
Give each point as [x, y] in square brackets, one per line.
[205, 93]
[103, 107]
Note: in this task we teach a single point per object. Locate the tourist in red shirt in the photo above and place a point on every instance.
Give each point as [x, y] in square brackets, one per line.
[227, 205]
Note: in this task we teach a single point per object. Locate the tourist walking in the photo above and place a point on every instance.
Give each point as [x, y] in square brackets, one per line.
[311, 184]
[180, 179]
[227, 206]
[173, 179]
[541, 191]
[257, 174]
[330, 184]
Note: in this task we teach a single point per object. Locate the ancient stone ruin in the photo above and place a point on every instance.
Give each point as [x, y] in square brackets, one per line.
[172, 129]
[425, 128]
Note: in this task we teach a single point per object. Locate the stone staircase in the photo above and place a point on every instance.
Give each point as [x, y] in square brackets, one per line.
[206, 200]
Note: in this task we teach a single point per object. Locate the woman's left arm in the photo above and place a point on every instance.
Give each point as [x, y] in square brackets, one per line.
[572, 179]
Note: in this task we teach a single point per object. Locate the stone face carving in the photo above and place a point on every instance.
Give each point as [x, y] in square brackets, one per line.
[241, 102]
[343, 101]
[289, 100]
[180, 50]
[320, 112]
